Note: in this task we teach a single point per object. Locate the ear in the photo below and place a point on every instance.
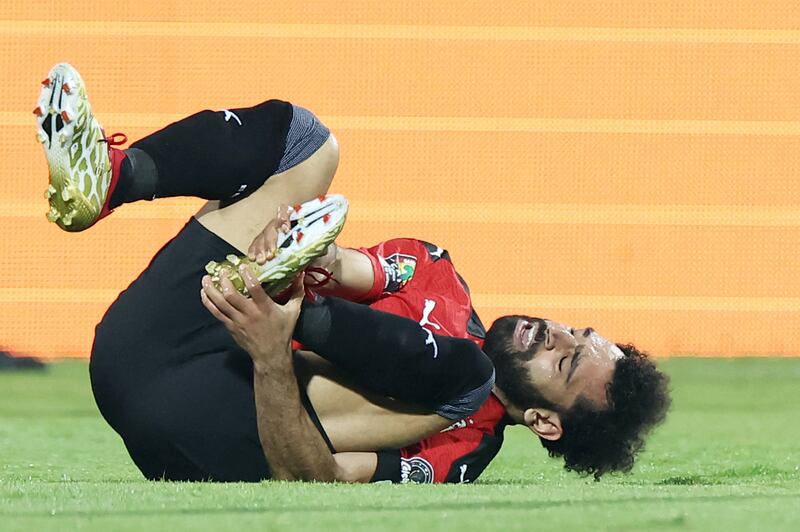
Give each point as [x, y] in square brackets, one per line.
[544, 423]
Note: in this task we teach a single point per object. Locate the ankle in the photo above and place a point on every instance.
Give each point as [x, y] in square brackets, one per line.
[137, 176]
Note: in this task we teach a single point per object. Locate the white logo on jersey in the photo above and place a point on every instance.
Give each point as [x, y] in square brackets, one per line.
[426, 314]
[228, 116]
[463, 469]
[437, 253]
[457, 425]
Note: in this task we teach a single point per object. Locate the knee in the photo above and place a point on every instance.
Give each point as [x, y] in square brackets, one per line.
[327, 163]
[309, 139]
[333, 153]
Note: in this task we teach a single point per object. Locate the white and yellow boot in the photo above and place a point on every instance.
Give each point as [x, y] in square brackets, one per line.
[314, 225]
[84, 167]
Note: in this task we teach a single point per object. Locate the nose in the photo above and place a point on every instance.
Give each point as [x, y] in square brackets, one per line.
[559, 337]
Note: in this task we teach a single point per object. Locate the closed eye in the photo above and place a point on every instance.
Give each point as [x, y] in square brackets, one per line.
[575, 360]
[561, 362]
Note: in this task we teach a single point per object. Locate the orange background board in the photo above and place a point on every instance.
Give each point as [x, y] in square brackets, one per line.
[626, 165]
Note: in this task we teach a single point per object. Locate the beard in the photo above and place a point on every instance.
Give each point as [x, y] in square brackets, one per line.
[511, 376]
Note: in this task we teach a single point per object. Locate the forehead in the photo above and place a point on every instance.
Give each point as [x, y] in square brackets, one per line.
[602, 347]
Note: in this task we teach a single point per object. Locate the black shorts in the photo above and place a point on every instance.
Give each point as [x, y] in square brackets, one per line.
[168, 377]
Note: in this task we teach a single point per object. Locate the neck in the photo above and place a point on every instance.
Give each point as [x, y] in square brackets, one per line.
[514, 412]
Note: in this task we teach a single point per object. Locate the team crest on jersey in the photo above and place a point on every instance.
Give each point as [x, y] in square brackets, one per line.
[399, 269]
[415, 471]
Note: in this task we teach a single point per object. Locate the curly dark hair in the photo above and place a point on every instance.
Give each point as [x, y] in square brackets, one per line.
[596, 442]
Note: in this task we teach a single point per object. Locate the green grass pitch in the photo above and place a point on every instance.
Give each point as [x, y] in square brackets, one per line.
[727, 459]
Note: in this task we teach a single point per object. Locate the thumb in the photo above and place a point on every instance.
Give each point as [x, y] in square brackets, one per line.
[296, 292]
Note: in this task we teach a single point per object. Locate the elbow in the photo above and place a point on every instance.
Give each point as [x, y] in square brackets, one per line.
[343, 474]
[284, 474]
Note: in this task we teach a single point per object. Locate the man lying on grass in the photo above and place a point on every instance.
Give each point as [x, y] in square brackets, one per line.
[408, 398]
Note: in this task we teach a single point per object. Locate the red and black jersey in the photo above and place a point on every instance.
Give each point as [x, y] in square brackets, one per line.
[409, 275]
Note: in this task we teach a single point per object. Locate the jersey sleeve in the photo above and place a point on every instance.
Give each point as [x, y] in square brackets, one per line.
[394, 264]
[447, 457]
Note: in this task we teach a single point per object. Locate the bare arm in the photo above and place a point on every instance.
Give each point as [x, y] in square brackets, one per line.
[295, 448]
[350, 268]
[293, 445]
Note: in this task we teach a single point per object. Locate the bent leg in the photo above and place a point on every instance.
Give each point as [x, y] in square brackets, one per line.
[169, 378]
[248, 161]
[218, 154]
[165, 374]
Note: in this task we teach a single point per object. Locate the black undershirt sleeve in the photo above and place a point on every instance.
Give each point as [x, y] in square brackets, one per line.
[392, 355]
[388, 468]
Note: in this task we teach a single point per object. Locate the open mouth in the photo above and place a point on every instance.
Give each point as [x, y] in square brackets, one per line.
[524, 334]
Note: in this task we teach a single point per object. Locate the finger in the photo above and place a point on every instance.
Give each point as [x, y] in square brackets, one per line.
[261, 241]
[233, 297]
[270, 244]
[257, 249]
[218, 299]
[252, 251]
[296, 293]
[253, 285]
[214, 310]
[283, 212]
[261, 248]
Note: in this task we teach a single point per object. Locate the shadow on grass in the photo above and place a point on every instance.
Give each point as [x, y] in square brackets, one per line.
[691, 480]
[723, 477]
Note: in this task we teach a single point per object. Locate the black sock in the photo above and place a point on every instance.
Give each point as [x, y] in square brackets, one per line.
[217, 155]
[390, 354]
[137, 180]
